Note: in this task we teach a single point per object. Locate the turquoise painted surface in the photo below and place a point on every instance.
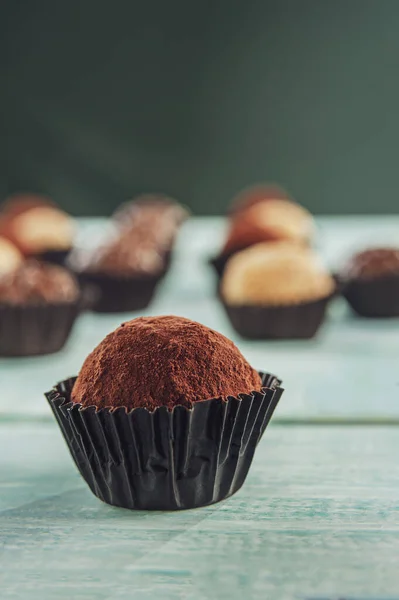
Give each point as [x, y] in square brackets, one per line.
[318, 516]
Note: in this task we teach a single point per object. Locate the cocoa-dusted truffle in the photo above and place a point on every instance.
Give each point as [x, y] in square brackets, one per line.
[271, 220]
[372, 263]
[163, 361]
[38, 283]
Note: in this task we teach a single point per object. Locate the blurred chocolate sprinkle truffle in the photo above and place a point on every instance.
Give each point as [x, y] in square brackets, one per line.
[38, 283]
[372, 263]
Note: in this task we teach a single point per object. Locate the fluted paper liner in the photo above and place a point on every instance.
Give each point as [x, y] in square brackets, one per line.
[56, 257]
[376, 297]
[219, 263]
[165, 460]
[120, 294]
[32, 330]
[294, 321]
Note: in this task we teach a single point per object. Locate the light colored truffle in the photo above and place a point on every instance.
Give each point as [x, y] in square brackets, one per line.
[43, 228]
[10, 257]
[273, 274]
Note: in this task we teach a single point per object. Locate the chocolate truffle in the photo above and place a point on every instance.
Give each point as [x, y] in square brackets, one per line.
[38, 283]
[124, 256]
[271, 220]
[275, 274]
[162, 361]
[370, 282]
[10, 257]
[372, 263]
[154, 217]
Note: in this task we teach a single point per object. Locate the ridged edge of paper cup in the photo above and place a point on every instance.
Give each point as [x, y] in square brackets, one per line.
[373, 298]
[165, 460]
[56, 257]
[114, 294]
[37, 329]
[294, 321]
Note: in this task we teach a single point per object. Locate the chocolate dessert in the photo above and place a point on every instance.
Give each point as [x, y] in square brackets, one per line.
[37, 227]
[255, 194]
[192, 363]
[276, 290]
[10, 257]
[124, 273]
[38, 283]
[271, 220]
[370, 282]
[165, 414]
[39, 304]
[156, 218]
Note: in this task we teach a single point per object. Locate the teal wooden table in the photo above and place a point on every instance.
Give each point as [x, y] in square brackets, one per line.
[319, 514]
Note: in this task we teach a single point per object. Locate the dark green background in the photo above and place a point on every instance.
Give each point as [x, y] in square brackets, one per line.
[102, 100]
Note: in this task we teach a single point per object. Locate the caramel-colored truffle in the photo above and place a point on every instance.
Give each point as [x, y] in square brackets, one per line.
[256, 194]
[271, 220]
[16, 204]
[275, 274]
[163, 361]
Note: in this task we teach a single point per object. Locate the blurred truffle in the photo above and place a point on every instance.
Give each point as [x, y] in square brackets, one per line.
[36, 283]
[276, 291]
[155, 217]
[123, 273]
[370, 281]
[39, 304]
[10, 257]
[271, 220]
[275, 274]
[36, 229]
[19, 203]
[371, 263]
[124, 255]
[256, 194]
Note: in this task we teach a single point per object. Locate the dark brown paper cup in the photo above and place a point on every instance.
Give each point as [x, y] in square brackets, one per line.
[115, 294]
[56, 257]
[296, 321]
[36, 329]
[219, 263]
[165, 460]
[378, 297]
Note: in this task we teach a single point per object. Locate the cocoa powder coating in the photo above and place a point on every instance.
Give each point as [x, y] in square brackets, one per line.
[163, 361]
